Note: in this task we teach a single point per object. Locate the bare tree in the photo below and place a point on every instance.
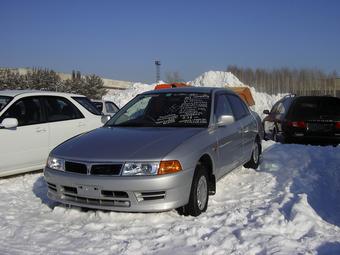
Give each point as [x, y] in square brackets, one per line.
[285, 80]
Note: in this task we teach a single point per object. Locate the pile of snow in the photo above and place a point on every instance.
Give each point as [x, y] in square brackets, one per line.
[263, 101]
[121, 97]
[290, 205]
[216, 79]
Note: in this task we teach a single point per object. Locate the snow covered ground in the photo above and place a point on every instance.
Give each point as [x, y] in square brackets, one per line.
[290, 205]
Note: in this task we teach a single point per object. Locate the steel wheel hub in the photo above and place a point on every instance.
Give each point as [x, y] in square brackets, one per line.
[202, 192]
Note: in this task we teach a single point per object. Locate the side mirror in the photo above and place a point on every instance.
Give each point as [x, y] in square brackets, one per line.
[266, 112]
[105, 118]
[9, 123]
[225, 120]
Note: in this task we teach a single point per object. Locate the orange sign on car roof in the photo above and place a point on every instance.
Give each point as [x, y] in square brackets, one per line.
[171, 85]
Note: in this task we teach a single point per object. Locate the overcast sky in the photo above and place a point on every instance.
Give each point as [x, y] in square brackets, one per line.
[121, 39]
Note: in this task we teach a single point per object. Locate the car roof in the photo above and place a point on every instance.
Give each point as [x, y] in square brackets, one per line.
[14, 93]
[188, 90]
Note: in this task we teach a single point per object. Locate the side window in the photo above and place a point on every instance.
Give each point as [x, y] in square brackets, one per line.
[274, 109]
[59, 109]
[110, 107]
[238, 107]
[281, 109]
[27, 111]
[222, 106]
[99, 105]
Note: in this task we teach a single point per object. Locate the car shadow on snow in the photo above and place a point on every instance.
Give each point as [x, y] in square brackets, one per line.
[40, 191]
[306, 169]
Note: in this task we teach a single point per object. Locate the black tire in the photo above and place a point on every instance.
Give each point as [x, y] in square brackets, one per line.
[255, 156]
[194, 207]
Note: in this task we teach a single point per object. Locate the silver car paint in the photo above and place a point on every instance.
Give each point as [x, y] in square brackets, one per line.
[228, 147]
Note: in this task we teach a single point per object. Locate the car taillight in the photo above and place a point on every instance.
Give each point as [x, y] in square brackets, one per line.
[337, 125]
[298, 124]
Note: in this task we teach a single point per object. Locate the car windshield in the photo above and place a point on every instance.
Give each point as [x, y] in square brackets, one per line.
[4, 100]
[314, 107]
[165, 110]
[88, 105]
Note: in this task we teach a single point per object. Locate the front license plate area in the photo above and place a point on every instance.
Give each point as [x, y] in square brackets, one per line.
[88, 191]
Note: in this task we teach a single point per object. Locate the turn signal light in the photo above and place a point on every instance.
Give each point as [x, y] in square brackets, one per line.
[169, 167]
[298, 124]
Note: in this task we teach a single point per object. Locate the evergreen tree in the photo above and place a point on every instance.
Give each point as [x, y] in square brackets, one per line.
[94, 87]
[10, 79]
[41, 79]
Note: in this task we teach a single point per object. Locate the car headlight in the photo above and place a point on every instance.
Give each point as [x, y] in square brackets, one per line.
[140, 168]
[151, 168]
[56, 163]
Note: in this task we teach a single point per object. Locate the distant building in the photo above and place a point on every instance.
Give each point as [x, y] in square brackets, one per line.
[108, 83]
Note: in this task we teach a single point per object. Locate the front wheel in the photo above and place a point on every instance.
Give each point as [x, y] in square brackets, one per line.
[199, 194]
[255, 156]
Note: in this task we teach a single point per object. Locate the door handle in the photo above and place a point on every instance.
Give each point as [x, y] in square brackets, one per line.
[81, 124]
[40, 129]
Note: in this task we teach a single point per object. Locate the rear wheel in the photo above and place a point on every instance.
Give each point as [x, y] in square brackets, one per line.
[199, 194]
[255, 156]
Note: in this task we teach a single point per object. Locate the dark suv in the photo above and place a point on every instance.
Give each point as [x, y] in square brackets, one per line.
[304, 119]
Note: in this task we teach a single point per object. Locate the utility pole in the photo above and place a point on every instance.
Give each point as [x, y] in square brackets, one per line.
[158, 70]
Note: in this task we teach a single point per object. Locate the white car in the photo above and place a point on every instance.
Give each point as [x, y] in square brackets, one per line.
[32, 123]
[106, 107]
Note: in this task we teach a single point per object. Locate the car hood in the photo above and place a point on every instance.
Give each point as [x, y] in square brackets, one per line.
[124, 143]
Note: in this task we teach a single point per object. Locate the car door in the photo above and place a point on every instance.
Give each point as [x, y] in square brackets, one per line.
[64, 119]
[229, 137]
[248, 126]
[25, 147]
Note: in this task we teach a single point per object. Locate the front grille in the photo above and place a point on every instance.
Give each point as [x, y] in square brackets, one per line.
[95, 169]
[96, 202]
[75, 167]
[109, 169]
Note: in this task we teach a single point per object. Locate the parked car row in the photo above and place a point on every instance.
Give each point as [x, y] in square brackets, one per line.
[165, 149]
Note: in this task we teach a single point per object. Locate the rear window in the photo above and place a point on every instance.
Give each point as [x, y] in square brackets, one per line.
[88, 105]
[314, 107]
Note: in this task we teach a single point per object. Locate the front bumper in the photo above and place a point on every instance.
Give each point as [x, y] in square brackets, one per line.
[118, 193]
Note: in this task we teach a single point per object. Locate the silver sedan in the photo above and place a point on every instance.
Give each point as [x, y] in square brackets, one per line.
[165, 149]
